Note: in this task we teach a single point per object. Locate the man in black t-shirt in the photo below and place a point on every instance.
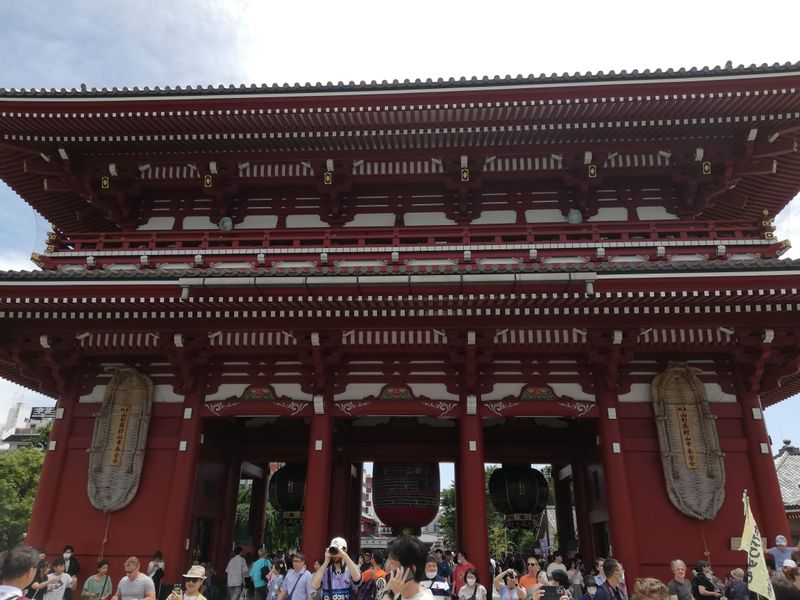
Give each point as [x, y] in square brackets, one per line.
[679, 587]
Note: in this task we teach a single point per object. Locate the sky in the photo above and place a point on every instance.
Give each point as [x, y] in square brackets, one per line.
[189, 42]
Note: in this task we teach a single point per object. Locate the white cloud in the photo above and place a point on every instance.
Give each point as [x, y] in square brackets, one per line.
[12, 260]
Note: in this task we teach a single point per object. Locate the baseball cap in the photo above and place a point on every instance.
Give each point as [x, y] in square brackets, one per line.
[789, 563]
[339, 543]
[781, 539]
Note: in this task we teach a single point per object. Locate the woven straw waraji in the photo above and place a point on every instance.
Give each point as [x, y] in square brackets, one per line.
[697, 492]
[113, 486]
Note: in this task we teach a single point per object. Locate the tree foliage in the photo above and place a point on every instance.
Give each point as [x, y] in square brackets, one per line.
[502, 540]
[19, 477]
[278, 532]
[42, 439]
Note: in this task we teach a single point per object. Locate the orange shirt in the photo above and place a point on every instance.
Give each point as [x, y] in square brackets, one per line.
[367, 575]
[527, 581]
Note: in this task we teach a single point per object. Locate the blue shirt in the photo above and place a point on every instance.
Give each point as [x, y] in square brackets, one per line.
[303, 588]
[255, 572]
[336, 585]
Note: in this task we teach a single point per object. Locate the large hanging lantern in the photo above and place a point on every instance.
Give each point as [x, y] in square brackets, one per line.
[406, 496]
[286, 491]
[519, 492]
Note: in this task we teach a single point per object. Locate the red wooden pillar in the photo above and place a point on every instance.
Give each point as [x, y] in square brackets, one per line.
[472, 492]
[339, 509]
[258, 507]
[44, 507]
[617, 490]
[459, 509]
[356, 491]
[771, 513]
[318, 481]
[177, 531]
[563, 500]
[585, 546]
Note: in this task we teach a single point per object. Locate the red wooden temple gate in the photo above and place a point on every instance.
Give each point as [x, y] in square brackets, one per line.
[467, 271]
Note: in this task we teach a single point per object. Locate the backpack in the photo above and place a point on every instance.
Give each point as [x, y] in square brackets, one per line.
[265, 572]
[366, 591]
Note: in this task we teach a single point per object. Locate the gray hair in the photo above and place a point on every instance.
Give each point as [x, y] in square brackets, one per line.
[676, 563]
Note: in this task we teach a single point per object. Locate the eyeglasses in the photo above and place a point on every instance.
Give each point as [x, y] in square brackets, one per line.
[532, 564]
[192, 579]
[297, 560]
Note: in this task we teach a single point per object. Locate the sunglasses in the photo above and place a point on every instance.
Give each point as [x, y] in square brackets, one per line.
[192, 579]
[532, 564]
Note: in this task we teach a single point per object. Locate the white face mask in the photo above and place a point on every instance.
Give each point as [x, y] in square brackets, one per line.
[622, 577]
[430, 574]
[591, 591]
[471, 581]
[67, 555]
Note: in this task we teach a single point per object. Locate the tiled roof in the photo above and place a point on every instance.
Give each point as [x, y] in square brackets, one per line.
[787, 464]
[772, 265]
[464, 82]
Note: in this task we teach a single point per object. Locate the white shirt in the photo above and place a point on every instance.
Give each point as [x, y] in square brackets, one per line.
[554, 566]
[9, 591]
[236, 570]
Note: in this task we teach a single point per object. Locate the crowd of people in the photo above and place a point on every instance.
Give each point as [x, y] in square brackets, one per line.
[405, 571]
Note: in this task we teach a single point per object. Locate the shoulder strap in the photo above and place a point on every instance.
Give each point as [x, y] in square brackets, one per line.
[296, 581]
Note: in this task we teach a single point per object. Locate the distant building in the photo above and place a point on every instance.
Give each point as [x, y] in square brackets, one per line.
[787, 465]
[20, 430]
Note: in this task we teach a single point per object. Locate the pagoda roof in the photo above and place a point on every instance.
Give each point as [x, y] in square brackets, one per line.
[56, 146]
[612, 76]
[787, 466]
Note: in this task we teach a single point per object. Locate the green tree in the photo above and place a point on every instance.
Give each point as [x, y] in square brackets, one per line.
[42, 438]
[19, 477]
[502, 540]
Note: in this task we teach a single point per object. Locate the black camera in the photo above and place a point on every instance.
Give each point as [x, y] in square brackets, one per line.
[333, 550]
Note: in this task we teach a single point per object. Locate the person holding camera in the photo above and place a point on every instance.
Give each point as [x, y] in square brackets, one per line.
[339, 575]
[507, 585]
[193, 582]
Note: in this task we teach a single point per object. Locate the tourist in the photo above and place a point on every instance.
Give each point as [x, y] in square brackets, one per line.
[648, 588]
[58, 581]
[614, 575]
[443, 566]
[434, 581]
[405, 563]
[259, 573]
[507, 585]
[590, 585]
[735, 587]
[679, 587]
[71, 565]
[192, 582]
[34, 591]
[276, 580]
[338, 574]
[557, 564]
[373, 580]
[575, 577]
[599, 575]
[788, 569]
[297, 582]
[365, 560]
[155, 570]
[471, 588]
[781, 551]
[17, 570]
[530, 579]
[702, 586]
[99, 585]
[135, 585]
[237, 572]
[459, 573]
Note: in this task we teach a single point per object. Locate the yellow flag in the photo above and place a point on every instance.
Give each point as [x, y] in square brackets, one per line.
[758, 576]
